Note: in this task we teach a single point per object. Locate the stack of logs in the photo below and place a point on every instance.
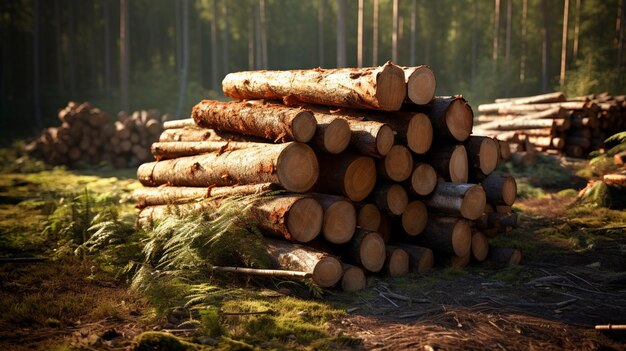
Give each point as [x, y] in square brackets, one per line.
[379, 175]
[87, 136]
[554, 124]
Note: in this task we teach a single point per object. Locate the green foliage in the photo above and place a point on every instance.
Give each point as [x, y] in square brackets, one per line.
[159, 341]
[210, 319]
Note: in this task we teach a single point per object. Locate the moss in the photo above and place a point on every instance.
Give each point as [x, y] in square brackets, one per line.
[158, 341]
[513, 275]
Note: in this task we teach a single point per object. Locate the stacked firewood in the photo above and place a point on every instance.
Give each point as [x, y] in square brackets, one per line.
[380, 175]
[554, 124]
[87, 136]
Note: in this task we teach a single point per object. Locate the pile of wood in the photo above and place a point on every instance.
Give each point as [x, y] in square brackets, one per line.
[553, 123]
[87, 136]
[379, 175]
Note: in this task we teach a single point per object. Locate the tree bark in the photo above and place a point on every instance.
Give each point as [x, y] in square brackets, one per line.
[292, 165]
[378, 88]
[451, 235]
[450, 162]
[522, 65]
[347, 174]
[397, 165]
[175, 149]
[188, 134]
[366, 249]
[451, 117]
[414, 218]
[152, 196]
[397, 261]
[466, 200]
[421, 259]
[564, 43]
[500, 190]
[326, 269]
[273, 122]
[179, 123]
[390, 197]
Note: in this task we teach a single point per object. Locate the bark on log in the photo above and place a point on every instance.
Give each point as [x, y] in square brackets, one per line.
[413, 129]
[390, 197]
[511, 257]
[535, 99]
[353, 278]
[397, 261]
[482, 154]
[500, 190]
[466, 200]
[423, 180]
[263, 272]
[368, 217]
[556, 124]
[179, 123]
[269, 121]
[421, 259]
[188, 134]
[397, 165]
[167, 150]
[451, 235]
[292, 165]
[480, 246]
[414, 218]
[451, 117]
[450, 162]
[340, 218]
[421, 84]
[378, 88]
[547, 141]
[332, 134]
[347, 174]
[366, 249]
[326, 270]
[508, 109]
[371, 138]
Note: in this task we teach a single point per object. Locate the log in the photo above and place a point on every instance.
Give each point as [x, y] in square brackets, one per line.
[499, 221]
[167, 150]
[340, 218]
[397, 261]
[482, 154]
[177, 195]
[546, 141]
[511, 257]
[263, 272]
[386, 226]
[390, 197]
[368, 217]
[326, 270]
[187, 134]
[423, 180]
[460, 199]
[397, 165]
[292, 165]
[353, 278]
[413, 129]
[500, 190]
[371, 138]
[451, 235]
[556, 124]
[421, 84]
[414, 218]
[347, 174]
[503, 209]
[508, 109]
[377, 88]
[421, 259]
[366, 249]
[451, 117]
[480, 246]
[332, 134]
[179, 123]
[269, 121]
[450, 162]
[542, 98]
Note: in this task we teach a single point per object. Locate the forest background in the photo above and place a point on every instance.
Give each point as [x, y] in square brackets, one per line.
[169, 54]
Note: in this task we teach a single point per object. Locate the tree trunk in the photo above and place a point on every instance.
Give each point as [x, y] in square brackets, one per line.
[124, 56]
[557, 96]
[341, 33]
[273, 122]
[522, 123]
[397, 261]
[71, 45]
[58, 45]
[375, 35]
[576, 31]
[480, 246]
[225, 38]
[353, 278]
[474, 60]
[522, 64]
[188, 134]
[368, 217]
[421, 259]
[320, 32]
[263, 35]
[500, 190]
[36, 100]
[215, 85]
[390, 197]
[152, 196]
[174, 149]
[292, 165]
[564, 43]
[451, 235]
[414, 218]
[107, 49]
[251, 31]
[450, 162]
[184, 71]
[332, 134]
[339, 218]
[179, 123]
[545, 52]
[423, 180]
[421, 84]
[511, 257]
[507, 48]
[482, 154]
[394, 32]
[496, 34]
[366, 249]
[413, 31]
[397, 165]
[466, 200]
[359, 43]
[347, 174]
[378, 88]
[451, 117]
[326, 269]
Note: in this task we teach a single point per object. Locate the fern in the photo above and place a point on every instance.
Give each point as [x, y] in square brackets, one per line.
[618, 138]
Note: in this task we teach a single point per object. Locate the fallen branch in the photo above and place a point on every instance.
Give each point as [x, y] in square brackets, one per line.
[264, 272]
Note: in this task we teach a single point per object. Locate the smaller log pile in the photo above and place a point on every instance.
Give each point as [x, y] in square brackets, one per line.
[87, 135]
[379, 175]
[553, 123]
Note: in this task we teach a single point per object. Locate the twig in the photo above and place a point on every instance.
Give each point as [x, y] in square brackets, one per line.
[611, 327]
[583, 289]
[544, 279]
[353, 309]
[174, 331]
[417, 313]
[402, 297]
[263, 272]
[246, 313]
[533, 304]
[581, 279]
[388, 299]
[603, 228]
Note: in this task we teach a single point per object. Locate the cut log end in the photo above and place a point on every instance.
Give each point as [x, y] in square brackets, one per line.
[384, 140]
[337, 136]
[458, 166]
[419, 133]
[509, 190]
[360, 178]
[297, 168]
[305, 219]
[414, 218]
[303, 126]
[397, 199]
[423, 179]
[480, 246]
[426, 261]
[397, 262]
[327, 272]
[398, 164]
[372, 252]
[369, 217]
[421, 85]
[339, 222]
[459, 119]
[390, 87]
[474, 201]
[488, 155]
[461, 238]
[353, 278]
[460, 261]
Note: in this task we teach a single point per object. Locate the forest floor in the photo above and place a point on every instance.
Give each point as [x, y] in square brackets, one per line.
[573, 277]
